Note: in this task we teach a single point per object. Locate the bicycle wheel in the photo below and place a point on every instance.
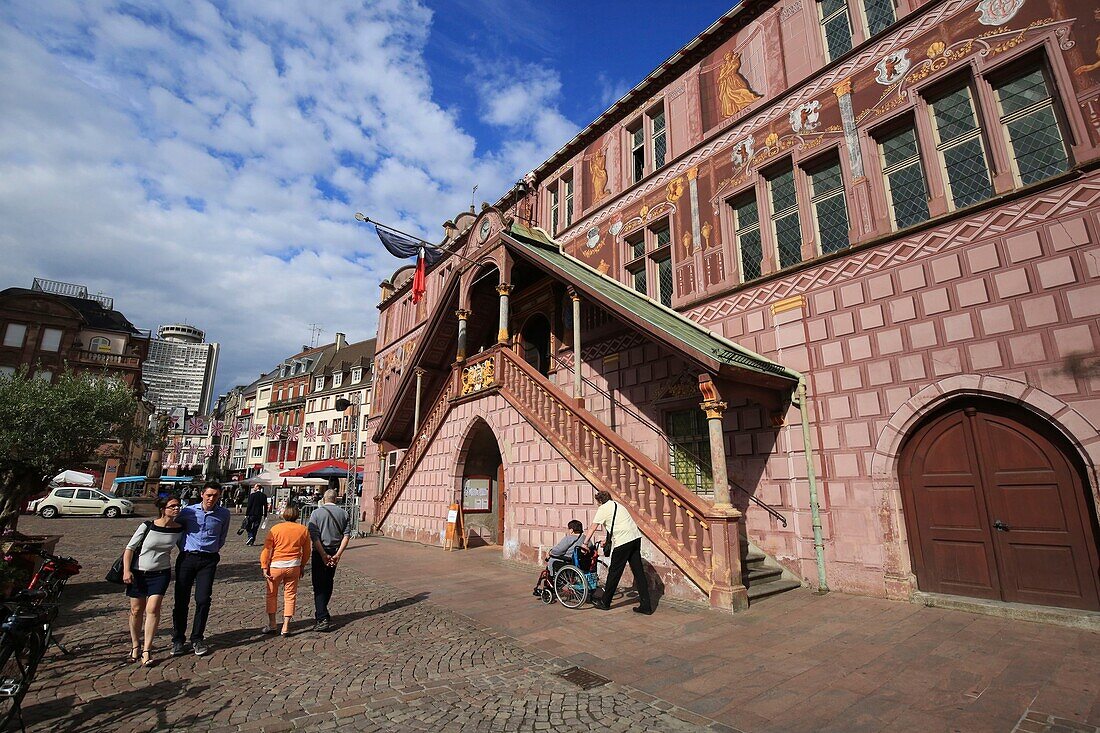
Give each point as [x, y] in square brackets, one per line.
[570, 586]
[19, 659]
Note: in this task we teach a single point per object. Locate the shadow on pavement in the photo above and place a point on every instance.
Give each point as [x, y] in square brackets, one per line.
[132, 706]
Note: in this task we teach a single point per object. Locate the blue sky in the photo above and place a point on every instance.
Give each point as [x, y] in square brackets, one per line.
[202, 161]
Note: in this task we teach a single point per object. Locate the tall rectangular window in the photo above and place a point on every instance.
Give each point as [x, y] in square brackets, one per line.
[746, 226]
[829, 207]
[1031, 124]
[664, 280]
[554, 210]
[14, 334]
[785, 225]
[962, 152]
[899, 153]
[51, 339]
[880, 15]
[659, 138]
[637, 153]
[567, 185]
[836, 26]
[689, 450]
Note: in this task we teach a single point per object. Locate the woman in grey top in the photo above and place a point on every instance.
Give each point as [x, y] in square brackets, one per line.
[146, 576]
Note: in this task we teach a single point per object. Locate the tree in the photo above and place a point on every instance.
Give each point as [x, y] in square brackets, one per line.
[46, 428]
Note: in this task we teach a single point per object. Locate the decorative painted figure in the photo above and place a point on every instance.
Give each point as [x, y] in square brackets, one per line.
[997, 12]
[1086, 68]
[805, 117]
[599, 176]
[733, 89]
[892, 67]
[742, 152]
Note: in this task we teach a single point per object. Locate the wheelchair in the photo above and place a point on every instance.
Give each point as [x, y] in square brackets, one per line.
[573, 581]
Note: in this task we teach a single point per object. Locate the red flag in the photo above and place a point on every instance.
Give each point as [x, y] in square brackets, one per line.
[419, 281]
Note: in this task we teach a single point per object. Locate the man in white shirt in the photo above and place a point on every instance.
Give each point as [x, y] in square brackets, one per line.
[626, 543]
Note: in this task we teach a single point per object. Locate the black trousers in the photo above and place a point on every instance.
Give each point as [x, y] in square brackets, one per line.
[252, 526]
[631, 552]
[323, 579]
[193, 570]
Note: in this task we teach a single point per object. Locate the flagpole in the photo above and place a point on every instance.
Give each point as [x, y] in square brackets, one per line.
[368, 220]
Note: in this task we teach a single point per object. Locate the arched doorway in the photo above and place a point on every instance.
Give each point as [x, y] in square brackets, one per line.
[996, 508]
[482, 487]
[535, 342]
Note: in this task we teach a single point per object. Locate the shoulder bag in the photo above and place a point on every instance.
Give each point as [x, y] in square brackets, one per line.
[610, 532]
[114, 575]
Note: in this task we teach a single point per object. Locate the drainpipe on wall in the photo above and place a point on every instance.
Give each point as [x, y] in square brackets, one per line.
[811, 477]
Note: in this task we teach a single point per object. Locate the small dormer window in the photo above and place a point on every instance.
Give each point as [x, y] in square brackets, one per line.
[337, 379]
[100, 344]
[319, 383]
[356, 375]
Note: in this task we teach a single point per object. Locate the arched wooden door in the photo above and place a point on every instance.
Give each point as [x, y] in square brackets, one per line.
[995, 509]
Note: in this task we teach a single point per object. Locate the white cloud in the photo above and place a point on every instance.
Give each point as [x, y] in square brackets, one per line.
[189, 160]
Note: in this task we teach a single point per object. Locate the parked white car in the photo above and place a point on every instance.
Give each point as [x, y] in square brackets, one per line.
[75, 500]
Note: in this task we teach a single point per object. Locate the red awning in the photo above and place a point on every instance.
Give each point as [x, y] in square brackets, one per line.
[311, 467]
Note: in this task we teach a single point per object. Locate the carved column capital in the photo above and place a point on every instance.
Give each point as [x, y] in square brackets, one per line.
[504, 289]
[714, 408]
[420, 371]
[572, 293]
[843, 88]
[462, 314]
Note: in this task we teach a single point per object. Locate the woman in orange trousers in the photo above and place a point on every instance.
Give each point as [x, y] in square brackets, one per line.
[286, 552]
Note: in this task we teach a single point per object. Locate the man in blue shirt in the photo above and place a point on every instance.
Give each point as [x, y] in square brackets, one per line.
[205, 529]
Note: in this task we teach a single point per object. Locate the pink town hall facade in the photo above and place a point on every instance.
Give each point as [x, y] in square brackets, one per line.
[817, 302]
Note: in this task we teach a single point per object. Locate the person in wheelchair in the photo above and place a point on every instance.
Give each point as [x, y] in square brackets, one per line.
[559, 554]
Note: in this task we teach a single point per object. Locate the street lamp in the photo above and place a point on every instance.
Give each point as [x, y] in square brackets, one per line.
[351, 499]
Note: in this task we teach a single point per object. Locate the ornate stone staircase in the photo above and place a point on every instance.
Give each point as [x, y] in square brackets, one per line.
[702, 540]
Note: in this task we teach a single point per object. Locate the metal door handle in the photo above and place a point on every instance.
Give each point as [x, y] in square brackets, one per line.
[1000, 526]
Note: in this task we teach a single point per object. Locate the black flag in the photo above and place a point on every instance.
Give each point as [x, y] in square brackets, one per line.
[403, 246]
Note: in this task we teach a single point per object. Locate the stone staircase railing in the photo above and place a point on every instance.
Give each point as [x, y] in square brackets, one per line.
[384, 502]
[702, 540]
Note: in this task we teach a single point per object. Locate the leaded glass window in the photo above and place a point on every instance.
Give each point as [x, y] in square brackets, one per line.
[836, 26]
[959, 142]
[905, 186]
[880, 15]
[746, 224]
[554, 210]
[638, 277]
[830, 209]
[567, 184]
[664, 280]
[662, 237]
[689, 449]
[637, 245]
[660, 145]
[785, 225]
[637, 152]
[1034, 137]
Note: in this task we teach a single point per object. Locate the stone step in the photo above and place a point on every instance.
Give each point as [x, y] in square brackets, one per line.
[758, 575]
[770, 589]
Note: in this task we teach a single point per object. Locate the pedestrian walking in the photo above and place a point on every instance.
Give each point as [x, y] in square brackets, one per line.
[286, 550]
[255, 513]
[626, 543]
[329, 529]
[205, 529]
[146, 571]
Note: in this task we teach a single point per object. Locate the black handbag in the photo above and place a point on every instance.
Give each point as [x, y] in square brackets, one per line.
[610, 532]
[114, 575]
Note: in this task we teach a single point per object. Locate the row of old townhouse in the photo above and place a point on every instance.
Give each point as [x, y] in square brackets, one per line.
[289, 417]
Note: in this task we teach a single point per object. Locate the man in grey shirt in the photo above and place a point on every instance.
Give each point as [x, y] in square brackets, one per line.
[329, 529]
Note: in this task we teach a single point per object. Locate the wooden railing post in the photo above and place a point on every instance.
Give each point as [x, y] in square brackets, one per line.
[727, 590]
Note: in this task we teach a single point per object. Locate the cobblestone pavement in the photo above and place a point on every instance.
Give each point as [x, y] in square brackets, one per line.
[394, 662]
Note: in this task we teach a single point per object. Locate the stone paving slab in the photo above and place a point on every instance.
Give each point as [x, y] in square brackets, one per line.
[793, 662]
[397, 661]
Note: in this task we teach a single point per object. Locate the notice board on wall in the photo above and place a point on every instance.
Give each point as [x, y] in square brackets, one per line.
[477, 494]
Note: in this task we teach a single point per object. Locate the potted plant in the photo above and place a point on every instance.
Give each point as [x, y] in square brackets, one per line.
[14, 574]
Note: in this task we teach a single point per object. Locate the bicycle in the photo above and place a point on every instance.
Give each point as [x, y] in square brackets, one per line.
[24, 636]
[27, 632]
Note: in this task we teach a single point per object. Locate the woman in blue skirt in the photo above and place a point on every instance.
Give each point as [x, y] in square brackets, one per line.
[147, 574]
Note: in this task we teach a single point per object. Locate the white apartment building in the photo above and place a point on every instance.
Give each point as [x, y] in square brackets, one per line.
[330, 433]
[180, 369]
